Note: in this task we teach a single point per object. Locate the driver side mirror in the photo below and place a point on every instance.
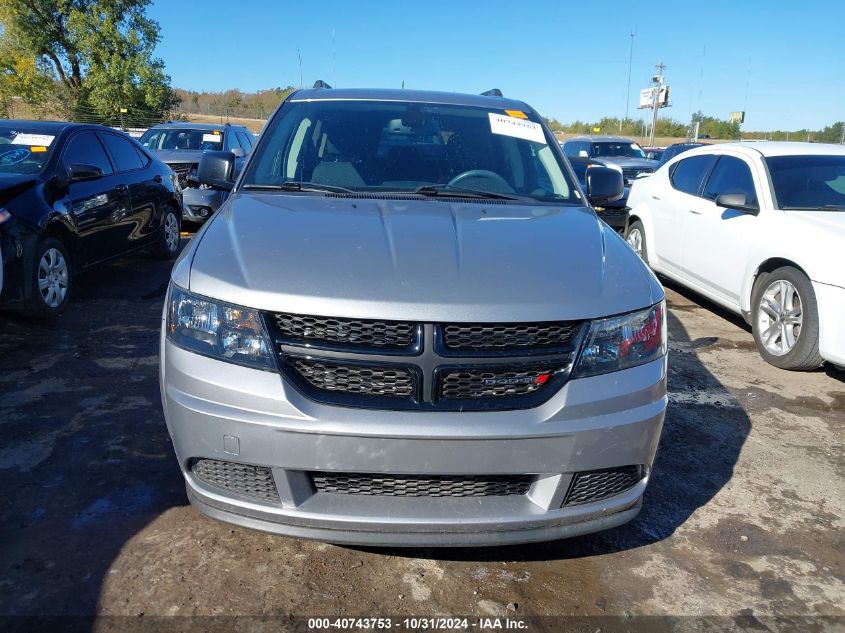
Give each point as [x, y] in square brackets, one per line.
[604, 185]
[81, 171]
[217, 170]
[736, 201]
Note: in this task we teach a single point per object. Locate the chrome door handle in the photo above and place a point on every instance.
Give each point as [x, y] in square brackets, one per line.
[655, 197]
[694, 212]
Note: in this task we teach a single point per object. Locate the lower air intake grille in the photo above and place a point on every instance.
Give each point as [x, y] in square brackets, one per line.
[250, 481]
[422, 485]
[479, 337]
[596, 485]
[463, 384]
[393, 382]
[351, 332]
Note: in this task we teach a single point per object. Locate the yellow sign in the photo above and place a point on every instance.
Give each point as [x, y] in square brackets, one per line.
[124, 110]
[596, 129]
[519, 114]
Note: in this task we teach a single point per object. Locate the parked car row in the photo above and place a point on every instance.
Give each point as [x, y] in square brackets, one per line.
[758, 228]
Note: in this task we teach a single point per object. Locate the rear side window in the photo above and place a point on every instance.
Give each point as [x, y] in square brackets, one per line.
[123, 153]
[232, 141]
[688, 173]
[246, 141]
[731, 175]
[85, 149]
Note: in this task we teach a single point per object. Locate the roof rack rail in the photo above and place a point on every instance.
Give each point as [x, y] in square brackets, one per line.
[321, 84]
[493, 92]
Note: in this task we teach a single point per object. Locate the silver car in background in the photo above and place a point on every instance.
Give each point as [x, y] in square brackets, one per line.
[406, 326]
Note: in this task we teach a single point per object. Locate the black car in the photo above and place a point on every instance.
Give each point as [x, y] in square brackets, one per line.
[180, 145]
[72, 196]
[673, 150]
[615, 214]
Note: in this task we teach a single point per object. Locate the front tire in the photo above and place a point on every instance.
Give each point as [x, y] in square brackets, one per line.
[785, 320]
[167, 245]
[635, 236]
[51, 281]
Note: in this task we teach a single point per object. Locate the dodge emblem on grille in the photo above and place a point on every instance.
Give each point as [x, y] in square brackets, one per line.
[515, 380]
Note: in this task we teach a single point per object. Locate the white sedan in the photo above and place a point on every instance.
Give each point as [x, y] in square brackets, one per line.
[760, 229]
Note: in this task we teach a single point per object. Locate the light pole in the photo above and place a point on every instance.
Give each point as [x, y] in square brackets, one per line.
[655, 100]
[628, 91]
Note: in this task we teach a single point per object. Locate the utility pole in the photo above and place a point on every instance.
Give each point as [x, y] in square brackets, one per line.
[842, 136]
[630, 63]
[298, 54]
[655, 99]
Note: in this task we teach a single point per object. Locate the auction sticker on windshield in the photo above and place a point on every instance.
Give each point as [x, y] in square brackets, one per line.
[211, 138]
[519, 128]
[33, 139]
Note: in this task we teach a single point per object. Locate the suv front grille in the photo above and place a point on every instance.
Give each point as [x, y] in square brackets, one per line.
[421, 485]
[460, 384]
[351, 332]
[630, 173]
[182, 170]
[483, 337]
[371, 380]
[250, 481]
[596, 485]
[383, 364]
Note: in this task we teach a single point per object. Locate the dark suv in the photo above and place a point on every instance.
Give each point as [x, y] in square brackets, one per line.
[612, 150]
[180, 145]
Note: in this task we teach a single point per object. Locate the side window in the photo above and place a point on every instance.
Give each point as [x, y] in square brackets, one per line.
[688, 173]
[84, 148]
[145, 160]
[731, 175]
[232, 140]
[246, 141]
[123, 152]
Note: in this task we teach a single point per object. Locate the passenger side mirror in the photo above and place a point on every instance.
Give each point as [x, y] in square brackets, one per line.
[82, 171]
[217, 170]
[736, 201]
[604, 185]
[582, 153]
[238, 152]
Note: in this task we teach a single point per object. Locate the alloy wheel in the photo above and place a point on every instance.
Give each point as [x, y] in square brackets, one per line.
[779, 317]
[171, 232]
[52, 277]
[635, 240]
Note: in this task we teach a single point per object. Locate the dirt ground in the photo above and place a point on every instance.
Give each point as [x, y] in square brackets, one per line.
[742, 522]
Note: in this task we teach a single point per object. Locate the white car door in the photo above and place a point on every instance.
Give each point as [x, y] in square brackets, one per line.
[719, 239]
[670, 205]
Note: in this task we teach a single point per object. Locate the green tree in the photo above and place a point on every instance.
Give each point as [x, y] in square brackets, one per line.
[99, 52]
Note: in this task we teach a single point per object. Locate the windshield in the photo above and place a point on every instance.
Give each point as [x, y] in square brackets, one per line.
[185, 138]
[24, 149]
[808, 182]
[373, 146]
[621, 148]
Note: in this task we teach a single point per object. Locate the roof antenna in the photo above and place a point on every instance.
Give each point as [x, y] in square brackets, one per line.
[321, 84]
[493, 92]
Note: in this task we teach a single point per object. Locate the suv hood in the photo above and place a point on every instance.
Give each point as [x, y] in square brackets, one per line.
[178, 155]
[416, 259]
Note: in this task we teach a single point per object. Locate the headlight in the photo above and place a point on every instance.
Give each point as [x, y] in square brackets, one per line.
[216, 329]
[624, 341]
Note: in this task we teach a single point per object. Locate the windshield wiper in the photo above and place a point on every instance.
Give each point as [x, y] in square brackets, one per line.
[820, 207]
[452, 190]
[295, 185]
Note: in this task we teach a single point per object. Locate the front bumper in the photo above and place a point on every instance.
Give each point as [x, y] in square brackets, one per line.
[198, 205]
[831, 304]
[220, 411]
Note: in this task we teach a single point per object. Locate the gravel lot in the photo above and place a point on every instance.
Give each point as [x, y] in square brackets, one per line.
[742, 522]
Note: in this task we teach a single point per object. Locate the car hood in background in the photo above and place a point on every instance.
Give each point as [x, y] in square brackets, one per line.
[628, 162]
[415, 259]
[178, 155]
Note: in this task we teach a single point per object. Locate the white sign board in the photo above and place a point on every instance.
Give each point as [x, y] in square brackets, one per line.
[42, 140]
[647, 97]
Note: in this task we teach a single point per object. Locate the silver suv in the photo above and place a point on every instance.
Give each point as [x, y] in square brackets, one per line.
[407, 326]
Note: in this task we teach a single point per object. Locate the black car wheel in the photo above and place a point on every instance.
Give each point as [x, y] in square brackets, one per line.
[51, 281]
[168, 239]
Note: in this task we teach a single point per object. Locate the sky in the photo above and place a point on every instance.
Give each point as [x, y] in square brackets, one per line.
[783, 63]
